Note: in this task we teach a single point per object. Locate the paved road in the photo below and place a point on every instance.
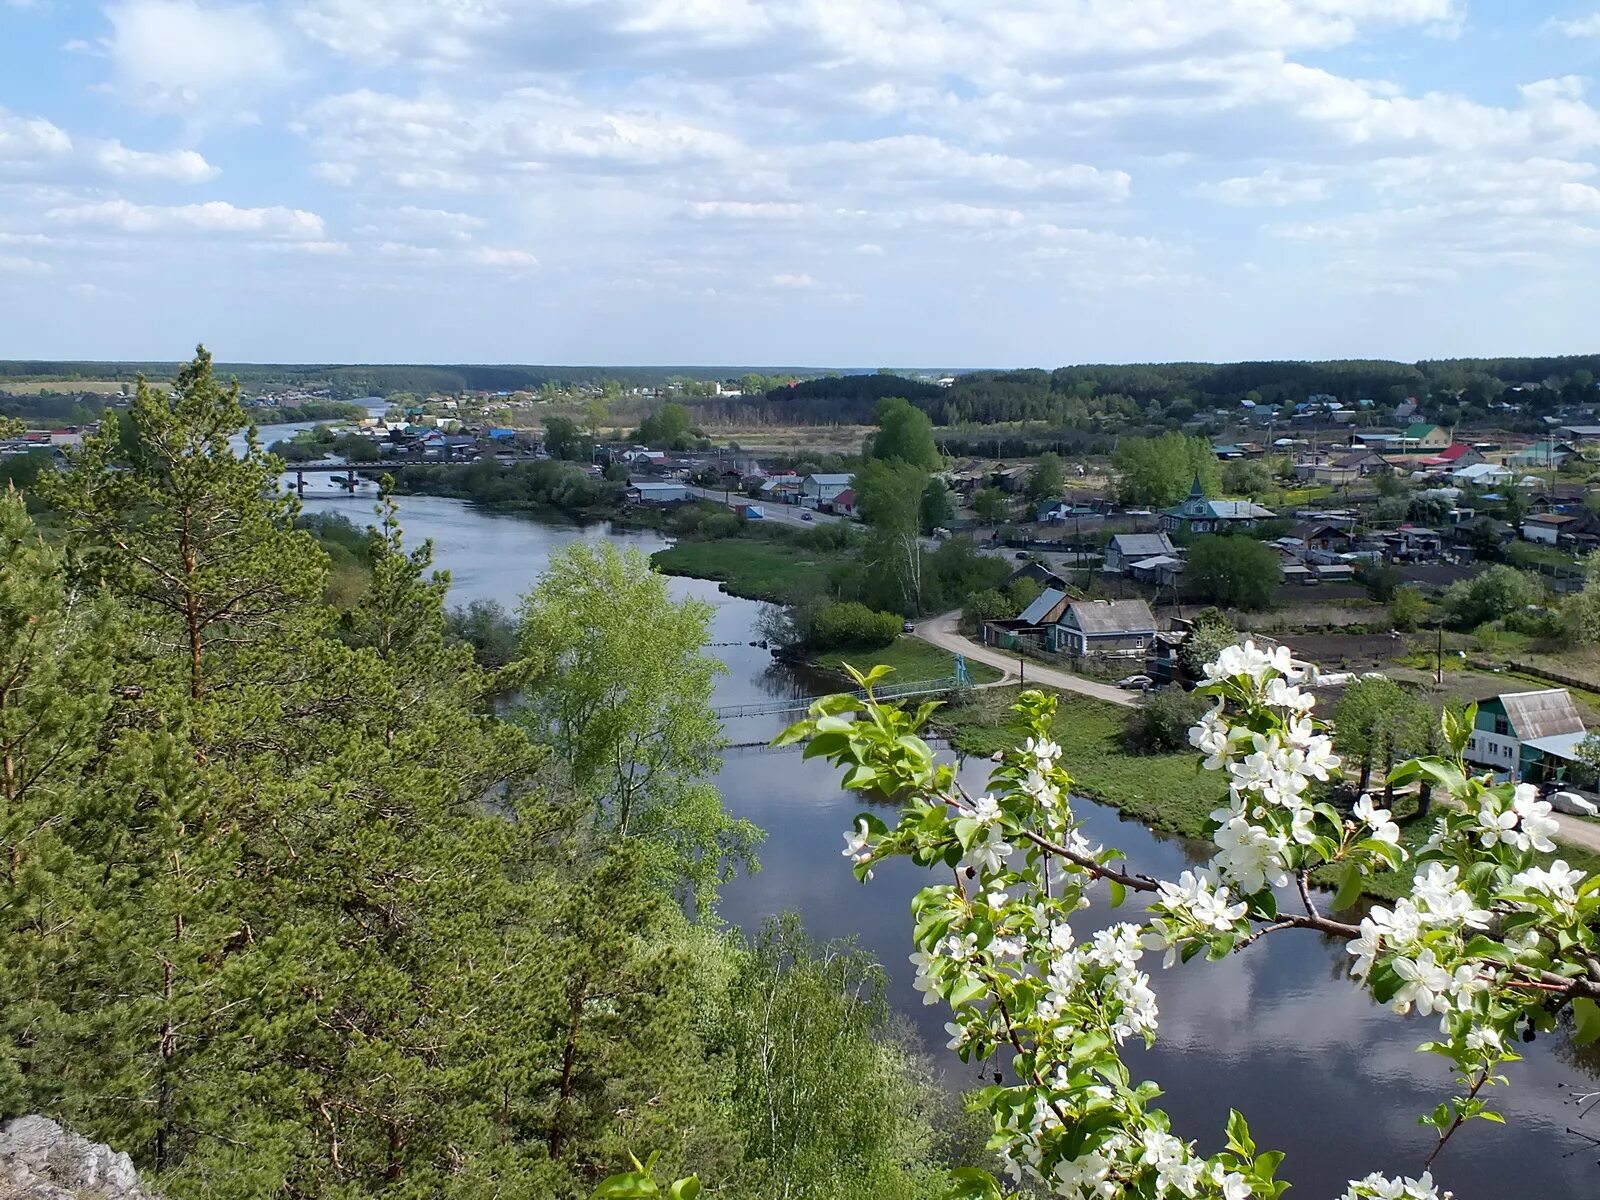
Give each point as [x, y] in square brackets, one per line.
[786, 514]
[1576, 831]
[942, 632]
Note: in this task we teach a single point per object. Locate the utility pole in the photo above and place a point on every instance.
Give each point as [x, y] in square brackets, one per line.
[1438, 655]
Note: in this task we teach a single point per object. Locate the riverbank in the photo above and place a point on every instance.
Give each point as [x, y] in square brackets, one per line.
[779, 571]
[910, 658]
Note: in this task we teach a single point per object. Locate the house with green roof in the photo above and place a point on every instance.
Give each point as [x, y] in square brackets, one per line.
[1420, 435]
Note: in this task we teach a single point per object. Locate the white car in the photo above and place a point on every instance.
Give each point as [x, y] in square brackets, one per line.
[1573, 804]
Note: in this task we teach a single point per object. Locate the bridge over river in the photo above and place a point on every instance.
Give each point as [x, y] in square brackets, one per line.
[890, 691]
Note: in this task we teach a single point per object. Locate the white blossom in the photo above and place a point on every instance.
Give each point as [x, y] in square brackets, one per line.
[858, 845]
[1249, 856]
[1379, 820]
[1423, 983]
[986, 810]
[1558, 881]
[1378, 1187]
[1536, 824]
[988, 853]
[1442, 901]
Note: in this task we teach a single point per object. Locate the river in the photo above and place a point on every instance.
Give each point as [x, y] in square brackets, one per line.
[1319, 1070]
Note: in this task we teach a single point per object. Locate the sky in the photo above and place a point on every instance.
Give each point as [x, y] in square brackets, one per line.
[951, 183]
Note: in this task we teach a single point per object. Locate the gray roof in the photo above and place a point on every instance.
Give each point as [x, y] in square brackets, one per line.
[1138, 545]
[1539, 714]
[1112, 616]
[830, 480]
[1561, 745]
[1036, 612]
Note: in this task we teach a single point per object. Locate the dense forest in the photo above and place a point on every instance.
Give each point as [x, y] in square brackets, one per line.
[1109, 397]
[287, 910]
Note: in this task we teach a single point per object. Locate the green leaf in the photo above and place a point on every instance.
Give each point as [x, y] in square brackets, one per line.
[971, 1183]
[1239, 1140]
[967, 991]
[1119, 893]
[1587, 1015]
[1349, 887]
[635, 1185]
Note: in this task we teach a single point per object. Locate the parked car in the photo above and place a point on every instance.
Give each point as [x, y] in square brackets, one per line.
[907, 627]
[1572, 804]
[1136, 683]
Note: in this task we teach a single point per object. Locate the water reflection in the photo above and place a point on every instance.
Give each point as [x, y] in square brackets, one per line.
[1320, 1071]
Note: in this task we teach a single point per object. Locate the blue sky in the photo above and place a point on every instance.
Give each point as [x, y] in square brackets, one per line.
[866, 182]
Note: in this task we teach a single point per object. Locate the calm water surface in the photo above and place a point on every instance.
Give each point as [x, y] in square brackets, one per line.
[1319, 1070]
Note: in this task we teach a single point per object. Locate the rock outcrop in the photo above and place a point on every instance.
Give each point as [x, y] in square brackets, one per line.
[39, 1160]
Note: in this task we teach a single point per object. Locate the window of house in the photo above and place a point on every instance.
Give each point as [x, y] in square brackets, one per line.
[1502, 726]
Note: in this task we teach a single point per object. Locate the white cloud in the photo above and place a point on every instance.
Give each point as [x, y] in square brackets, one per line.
[408, 220]
[173, 166]
[26, 141]
[747, 210]
[1270, 188]
[1577, 27]
[14, 264]
[214, 217]
[180, 56]
[784, 280]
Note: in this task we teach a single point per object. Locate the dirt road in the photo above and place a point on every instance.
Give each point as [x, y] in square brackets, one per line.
[942, 632]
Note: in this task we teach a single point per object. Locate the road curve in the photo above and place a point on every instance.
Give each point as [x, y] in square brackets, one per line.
[942, 632]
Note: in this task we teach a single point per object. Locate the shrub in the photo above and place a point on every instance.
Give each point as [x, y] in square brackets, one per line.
[836, 626]
[1160, 725]
[1407, 608]
[987, 605]
[1495, 593]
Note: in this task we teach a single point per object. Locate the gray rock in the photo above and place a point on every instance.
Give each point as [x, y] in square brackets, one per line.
[39, 1160]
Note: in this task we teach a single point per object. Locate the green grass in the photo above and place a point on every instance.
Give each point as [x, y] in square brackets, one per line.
[911, 659]
[1165, 791]
[755, 568]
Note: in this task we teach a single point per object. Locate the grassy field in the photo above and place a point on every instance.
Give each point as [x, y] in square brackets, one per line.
[1165, 791]
[755, 568]
[911, 659]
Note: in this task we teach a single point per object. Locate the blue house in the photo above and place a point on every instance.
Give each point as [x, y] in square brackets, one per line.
[1198, 514]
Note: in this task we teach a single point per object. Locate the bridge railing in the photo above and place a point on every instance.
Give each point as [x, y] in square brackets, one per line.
[891, 691]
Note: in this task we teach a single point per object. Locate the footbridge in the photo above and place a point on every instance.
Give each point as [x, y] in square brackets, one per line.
[888, 691]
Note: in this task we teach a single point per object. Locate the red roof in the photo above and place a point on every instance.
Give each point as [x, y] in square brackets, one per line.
[846, 498]
[1449, 454]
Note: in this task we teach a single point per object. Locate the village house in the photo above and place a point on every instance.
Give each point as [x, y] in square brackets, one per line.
[1452, 458]
[1541, 456]
[1161, 571]
[1040, 574]
[1575, 530]
[1480, 474]
[1365, 463]
[844, 504]
[817, 490]
[1119, 628]
[1033, 624]
[1125, 549]
[1198, 514]
[1518, 733]
[659, 493]
[1420, 435]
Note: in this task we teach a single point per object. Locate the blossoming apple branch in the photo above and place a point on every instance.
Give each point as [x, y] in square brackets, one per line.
[1487, 940]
